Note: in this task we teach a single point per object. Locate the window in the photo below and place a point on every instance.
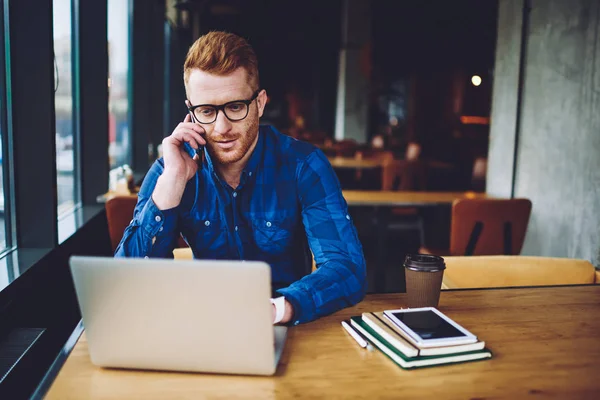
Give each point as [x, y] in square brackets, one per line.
[5, 240]
[2, 208]
[119, 144]
[63, 103]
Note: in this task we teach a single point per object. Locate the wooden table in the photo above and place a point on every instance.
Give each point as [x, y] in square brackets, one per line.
[376, 198]
[546, 343]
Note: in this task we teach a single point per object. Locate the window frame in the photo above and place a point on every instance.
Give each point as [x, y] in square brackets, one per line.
[7, 162]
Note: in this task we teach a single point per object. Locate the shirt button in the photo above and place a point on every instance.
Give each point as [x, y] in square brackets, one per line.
[236, 228]
[249, 173]
[347, 217]
[145, 256]
[157, 218]
[207, 222]
[234, 194]
[160, 229]
[268, 224]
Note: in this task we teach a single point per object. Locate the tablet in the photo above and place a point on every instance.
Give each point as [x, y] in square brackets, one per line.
[428, 327]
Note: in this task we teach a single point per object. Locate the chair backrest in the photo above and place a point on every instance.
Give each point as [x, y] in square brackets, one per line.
[346, 147]
[119, 212]
[488, 226]
[410, 175]
[388, 166]
[506, 271]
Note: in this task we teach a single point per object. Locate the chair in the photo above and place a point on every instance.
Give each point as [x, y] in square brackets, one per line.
[407, 175]
[486, 227]
[346, 147]
[119, 211]
[384, 176]
[507, 271]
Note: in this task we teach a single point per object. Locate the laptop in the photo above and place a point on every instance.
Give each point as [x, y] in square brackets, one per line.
[178, 315]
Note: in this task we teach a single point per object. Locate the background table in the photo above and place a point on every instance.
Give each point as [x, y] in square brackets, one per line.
[354, 163]
[384, 201]
[546, 342]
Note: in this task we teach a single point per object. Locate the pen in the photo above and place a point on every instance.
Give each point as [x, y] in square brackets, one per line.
[361, 342]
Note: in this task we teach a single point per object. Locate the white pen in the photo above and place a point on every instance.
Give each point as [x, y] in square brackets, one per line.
[361, 342]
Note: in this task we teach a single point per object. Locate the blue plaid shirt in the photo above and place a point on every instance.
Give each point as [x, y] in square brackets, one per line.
[288, 202]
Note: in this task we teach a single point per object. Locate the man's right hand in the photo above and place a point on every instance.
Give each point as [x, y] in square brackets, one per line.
[179, 166]
[178, 162]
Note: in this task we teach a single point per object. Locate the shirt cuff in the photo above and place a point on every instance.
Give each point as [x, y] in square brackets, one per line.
[279, 304]
[155, 221]
[302, 302]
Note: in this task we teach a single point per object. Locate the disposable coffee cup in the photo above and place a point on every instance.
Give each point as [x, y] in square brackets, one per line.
[424, 275]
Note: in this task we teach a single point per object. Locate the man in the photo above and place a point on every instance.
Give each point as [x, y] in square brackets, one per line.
[257, 195]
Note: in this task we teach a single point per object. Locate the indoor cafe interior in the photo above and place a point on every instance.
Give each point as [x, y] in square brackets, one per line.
[464, 129]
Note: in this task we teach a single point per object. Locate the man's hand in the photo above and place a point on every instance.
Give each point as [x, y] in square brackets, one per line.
[287, 316]
[179, 166]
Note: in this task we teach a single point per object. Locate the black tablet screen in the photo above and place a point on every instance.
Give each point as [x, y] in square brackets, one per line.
[428, 325]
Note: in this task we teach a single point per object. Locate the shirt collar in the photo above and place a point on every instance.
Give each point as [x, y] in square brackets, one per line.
[255, 158]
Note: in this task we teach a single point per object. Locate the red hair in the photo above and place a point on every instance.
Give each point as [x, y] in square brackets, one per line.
[221, 53]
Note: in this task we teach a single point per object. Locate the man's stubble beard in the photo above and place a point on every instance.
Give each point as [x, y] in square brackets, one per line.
[245, 141]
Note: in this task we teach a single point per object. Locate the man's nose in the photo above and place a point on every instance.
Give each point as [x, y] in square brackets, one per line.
[222, 124]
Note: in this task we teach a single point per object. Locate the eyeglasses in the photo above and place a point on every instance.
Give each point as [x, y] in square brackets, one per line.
[235, 110]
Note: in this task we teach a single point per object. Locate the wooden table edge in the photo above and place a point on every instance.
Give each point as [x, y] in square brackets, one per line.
[59, 361]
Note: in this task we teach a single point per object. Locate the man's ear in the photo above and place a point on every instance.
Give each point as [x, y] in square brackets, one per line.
[261, 102]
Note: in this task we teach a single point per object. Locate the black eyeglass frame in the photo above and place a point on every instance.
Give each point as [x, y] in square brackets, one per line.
[222, 108]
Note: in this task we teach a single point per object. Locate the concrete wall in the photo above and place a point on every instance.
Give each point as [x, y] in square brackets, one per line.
[557, 145]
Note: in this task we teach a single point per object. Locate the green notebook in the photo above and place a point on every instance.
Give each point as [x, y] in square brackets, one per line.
[414, 362]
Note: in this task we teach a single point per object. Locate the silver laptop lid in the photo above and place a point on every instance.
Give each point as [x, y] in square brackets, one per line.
[186, 315]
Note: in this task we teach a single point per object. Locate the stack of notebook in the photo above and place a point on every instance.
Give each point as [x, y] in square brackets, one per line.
[388, 337]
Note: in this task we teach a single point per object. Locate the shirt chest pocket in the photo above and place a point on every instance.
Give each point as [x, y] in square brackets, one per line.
[272, 236]
[211, 237]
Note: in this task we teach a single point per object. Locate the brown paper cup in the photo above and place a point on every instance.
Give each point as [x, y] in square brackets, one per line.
[424, 275]
[423, 288]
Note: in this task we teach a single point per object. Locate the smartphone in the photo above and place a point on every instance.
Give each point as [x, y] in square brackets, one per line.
[428, 327]
[192, 152]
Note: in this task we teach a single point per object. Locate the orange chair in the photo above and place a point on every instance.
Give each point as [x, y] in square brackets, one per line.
[119, 211]
[486, 227]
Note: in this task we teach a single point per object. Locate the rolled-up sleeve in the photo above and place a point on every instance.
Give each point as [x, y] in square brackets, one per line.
[151, 232]
[340, 279]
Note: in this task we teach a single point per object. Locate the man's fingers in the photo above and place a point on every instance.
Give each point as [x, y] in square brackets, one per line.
[188, 118]
[191, 125]
[184, 135]
[190, 133]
